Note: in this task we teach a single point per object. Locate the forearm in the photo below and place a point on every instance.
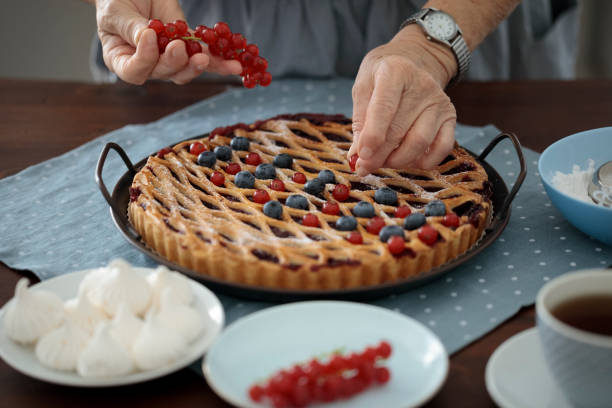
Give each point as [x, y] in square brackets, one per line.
[476, 18]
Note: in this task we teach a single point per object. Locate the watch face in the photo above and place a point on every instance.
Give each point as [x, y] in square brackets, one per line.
[440, 26]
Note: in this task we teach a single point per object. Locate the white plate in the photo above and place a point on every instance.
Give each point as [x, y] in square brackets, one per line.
[517, 377]
[23, 359]
[258, 345]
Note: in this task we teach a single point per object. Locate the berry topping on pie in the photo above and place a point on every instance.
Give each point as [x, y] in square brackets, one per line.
[353, 161]
[277, 204]
[207, 159]
[283, 161]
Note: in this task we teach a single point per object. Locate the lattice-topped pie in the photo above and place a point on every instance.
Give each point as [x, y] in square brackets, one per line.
[276, 204]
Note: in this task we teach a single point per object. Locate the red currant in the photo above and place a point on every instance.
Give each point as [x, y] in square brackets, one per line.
[181, 27]
[354, 237]
[266, 79]
[163, 152]
[217, 178]
[248, 82]
[209, 36]
[374, 225]
[277, 185]
[341, 192]
[402, 211]
[261, 196]
[428, 234]
[246, 59]
[156, 25]
[384, 349]
[196, 148]
[199, 30]
[214, 50]
[162, 42]
[260, 64]
[238, 41]
[299, 178]
[256, 393]
[252, 49]
[396, 244]
[171, 31]
[382, 375]
[310, 220]
[193, 47]
[222, 30]
[331, 208]
[353, 161]
[451, 220]
[253, 159]
[232, 168]
[223, 44]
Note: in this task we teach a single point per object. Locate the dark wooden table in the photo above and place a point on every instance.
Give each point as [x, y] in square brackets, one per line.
[40, 120]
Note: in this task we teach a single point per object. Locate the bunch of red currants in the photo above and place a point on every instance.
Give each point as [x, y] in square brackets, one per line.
[221, 43]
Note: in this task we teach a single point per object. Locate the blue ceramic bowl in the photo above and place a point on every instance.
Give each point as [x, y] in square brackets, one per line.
[596, 144]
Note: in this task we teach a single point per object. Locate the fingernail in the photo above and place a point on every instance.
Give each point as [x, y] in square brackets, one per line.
[366, 153]
[176, 51]
[361, 172]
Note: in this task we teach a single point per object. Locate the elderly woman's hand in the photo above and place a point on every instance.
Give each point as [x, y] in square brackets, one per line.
[130, 48]
[401, 115]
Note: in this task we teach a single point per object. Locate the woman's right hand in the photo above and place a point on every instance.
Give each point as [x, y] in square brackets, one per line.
[130, 48]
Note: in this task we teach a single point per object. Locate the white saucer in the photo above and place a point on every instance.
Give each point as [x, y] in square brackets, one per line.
[517, 377]
[256, 346]
[23, 359]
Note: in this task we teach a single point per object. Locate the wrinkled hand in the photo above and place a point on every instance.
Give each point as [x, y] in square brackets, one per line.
[401, 115]
[130, 48]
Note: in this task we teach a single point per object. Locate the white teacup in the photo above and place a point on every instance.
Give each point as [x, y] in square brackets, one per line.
[580, 361]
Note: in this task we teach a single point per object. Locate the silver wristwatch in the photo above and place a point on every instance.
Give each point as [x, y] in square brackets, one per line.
[441, 27]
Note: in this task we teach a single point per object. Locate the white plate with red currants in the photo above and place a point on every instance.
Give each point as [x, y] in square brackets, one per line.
[327, 354]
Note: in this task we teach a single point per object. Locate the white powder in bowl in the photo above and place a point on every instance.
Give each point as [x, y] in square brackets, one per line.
[576, 183]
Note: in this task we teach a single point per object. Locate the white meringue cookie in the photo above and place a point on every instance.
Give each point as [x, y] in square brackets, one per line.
[163, 278]
[61, 347]
[91, 280]
[104, 356]
[83, 313]
[121, 284]
[32, 313]
[156, 345]
[125, 326]
[183, 319]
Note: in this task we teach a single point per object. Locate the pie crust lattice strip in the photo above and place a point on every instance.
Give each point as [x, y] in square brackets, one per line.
[221, 232]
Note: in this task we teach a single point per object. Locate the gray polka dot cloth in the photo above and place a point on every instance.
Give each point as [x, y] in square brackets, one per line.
[56, 221]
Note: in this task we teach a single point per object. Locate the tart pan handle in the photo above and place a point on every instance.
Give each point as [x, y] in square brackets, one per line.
[503, 212]
[119, 213]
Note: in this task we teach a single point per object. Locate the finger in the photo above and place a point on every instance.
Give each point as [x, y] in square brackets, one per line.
[197, 64]
[173, 60]
[417, 140]
[223, 67]
[440, 148]
[362, 92]
[131, 65]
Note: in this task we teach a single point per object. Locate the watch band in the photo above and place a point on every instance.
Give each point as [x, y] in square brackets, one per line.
[457, 45]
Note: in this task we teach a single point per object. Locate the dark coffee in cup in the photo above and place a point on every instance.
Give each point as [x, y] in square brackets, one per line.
[590, 313]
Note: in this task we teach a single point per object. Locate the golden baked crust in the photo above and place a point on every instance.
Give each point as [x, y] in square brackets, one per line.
[222, 233]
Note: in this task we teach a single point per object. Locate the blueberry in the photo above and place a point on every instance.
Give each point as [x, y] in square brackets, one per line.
[435, 208]
[346, 223]
[314, 186]
[364, 209]
[297, 201]
[414, 221]
[240, 143]
[385, 196]
[273, 209]
[283, 160]
[244, 179]
[223, 153]
[390, 230]
[265, 171]
[327, 177]
[207, 159]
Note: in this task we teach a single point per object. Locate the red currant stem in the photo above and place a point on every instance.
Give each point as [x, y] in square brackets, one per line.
[191, 38]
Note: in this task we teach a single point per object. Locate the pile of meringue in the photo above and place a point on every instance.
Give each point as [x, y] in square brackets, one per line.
[121, 321]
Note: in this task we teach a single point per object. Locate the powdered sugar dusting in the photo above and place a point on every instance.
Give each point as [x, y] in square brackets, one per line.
[575, 184]
[373, 180]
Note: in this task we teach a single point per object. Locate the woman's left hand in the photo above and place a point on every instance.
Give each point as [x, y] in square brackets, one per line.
[401, 115]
